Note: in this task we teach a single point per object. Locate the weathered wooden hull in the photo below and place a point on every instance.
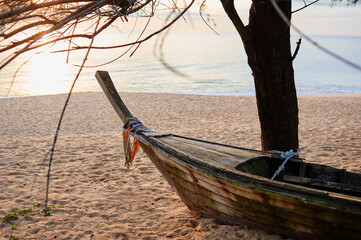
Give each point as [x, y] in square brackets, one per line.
[242, 198]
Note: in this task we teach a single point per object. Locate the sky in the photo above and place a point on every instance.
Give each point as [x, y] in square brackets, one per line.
[318, 19]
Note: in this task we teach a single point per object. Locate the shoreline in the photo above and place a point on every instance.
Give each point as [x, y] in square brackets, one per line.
[96, 197]
[192, 94]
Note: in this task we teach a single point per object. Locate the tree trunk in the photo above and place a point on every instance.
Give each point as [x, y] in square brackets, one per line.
[267, 43]
[269, 56]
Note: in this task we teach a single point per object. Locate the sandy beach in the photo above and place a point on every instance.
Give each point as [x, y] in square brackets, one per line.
[92, 194]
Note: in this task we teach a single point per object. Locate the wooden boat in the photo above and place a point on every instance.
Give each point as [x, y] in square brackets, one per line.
[234, 184]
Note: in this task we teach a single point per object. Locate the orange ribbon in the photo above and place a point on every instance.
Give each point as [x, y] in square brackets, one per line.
[130, 150]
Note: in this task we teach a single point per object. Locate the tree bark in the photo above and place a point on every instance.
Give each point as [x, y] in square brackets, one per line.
[266, 40]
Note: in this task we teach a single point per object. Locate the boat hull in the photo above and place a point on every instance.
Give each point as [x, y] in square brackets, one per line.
[226, 183]
[240, 198]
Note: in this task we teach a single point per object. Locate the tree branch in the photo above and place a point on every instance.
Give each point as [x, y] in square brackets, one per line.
[24, 28]
[325, 50]
[18, 19]
[60, 122]
[138, 41]
[306, 5]
[32, 39]
[35, 6]
[297, 49]
[228, 6]
[200, 13]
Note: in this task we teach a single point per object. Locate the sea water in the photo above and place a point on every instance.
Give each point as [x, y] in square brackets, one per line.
[204, 62]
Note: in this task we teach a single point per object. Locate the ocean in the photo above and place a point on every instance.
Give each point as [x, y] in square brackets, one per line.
[205, 64]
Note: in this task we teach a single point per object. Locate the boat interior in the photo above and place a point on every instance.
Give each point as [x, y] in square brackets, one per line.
[295, 171]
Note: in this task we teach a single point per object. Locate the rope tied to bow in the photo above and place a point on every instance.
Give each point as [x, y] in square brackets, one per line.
[130, 149]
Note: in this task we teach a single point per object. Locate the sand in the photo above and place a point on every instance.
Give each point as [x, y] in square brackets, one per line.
[96, 197]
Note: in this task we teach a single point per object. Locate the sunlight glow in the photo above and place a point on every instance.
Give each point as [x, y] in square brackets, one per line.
[46, 74]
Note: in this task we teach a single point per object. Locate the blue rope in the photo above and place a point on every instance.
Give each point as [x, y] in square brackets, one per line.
[131, 124]
[286, 155]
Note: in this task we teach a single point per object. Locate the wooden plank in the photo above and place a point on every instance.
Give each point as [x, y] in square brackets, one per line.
[302, 206]
[221, 148]
[302, 169]
[321, 183]
[214, 154]
[191, 193]
[111, 93]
